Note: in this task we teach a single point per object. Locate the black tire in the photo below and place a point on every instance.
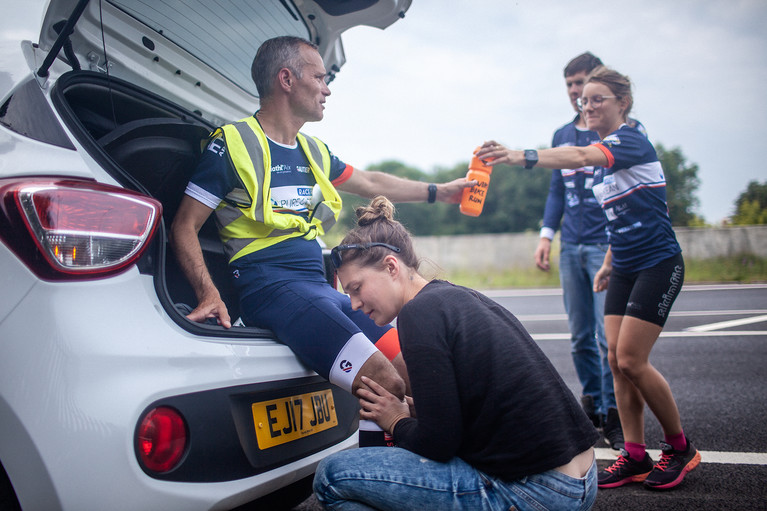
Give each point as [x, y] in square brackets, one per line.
[8, 500]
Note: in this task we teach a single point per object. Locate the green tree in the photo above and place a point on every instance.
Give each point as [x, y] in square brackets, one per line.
[681, 185]
[751, 205]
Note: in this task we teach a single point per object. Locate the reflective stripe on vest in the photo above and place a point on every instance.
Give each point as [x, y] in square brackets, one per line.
[245, 217]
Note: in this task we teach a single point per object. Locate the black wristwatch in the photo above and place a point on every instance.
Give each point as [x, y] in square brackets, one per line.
[432, 193]
[531, 158]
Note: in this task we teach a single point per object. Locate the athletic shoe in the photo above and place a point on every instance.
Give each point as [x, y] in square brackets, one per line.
[587, 402]
[672, 467]
[612, 430]
[624, 471]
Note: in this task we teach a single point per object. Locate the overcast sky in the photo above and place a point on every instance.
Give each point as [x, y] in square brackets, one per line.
[433, 86]
[450, 75]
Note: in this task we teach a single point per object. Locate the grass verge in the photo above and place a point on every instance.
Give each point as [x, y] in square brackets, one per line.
[747, 268]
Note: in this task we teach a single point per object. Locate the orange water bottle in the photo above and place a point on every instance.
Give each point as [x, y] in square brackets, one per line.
[474, 198]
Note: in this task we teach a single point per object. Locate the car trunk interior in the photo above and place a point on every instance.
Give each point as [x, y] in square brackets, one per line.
[150, 145]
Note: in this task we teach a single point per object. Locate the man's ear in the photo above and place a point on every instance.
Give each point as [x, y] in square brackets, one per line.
[285, 78]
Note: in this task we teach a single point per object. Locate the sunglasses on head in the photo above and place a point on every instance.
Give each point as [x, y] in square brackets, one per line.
[335, 254]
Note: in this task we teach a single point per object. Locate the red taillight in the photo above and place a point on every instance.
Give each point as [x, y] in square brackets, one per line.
[161, 439]
[81, 228]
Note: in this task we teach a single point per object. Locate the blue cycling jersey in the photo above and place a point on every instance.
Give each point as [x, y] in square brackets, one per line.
[291, 192]
[570, 198]
[632, 192]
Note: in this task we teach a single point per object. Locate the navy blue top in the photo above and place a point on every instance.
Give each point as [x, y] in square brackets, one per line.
[632, 192]
[291, 184]
[571, 199]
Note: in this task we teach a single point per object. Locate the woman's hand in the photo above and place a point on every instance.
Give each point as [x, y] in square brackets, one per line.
[410, 405]
[381, 406]
[493, 153]
[602, 278]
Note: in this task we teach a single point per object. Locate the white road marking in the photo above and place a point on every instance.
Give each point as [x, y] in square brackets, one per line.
[727, 333]
[680, 314]
[729, 458]
[557, 291]
[727, 324]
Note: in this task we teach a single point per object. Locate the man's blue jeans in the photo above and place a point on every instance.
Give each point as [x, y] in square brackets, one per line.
[585, 312]
[391, 478]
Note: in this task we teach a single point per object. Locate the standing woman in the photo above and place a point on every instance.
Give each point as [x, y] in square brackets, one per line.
[643, 272]
[491, 425]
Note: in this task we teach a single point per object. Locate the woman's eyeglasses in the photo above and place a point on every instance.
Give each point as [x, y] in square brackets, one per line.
[596, 101]
[335, 254]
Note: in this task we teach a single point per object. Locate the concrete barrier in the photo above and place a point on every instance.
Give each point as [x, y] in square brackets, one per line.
[503, 251]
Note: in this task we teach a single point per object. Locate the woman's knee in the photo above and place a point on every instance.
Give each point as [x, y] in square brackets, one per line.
[324, 478]
[630, 367]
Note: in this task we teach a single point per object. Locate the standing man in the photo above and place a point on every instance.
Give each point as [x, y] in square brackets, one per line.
[583, 246]
[258, 175]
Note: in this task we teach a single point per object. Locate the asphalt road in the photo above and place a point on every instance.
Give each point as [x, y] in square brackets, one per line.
[713, 352]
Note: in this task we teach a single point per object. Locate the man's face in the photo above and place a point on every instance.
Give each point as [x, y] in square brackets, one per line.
[575, 87]
[310, 90]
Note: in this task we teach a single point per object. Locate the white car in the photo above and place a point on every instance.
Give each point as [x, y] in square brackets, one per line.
[109, 397]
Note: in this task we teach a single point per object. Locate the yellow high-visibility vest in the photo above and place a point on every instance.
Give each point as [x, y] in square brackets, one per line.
[245, 219]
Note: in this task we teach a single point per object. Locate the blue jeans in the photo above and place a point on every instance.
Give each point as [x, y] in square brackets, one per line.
[391, 478]
[585, 313]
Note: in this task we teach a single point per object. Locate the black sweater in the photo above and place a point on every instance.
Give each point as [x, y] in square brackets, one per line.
[483, 390]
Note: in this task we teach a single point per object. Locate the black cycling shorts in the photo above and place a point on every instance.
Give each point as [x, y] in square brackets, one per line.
[646, 294]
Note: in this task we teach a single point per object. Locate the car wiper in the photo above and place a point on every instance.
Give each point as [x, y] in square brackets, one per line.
[63, 37]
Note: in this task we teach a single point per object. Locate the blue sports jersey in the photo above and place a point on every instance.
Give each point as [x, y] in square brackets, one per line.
[570, 198]
[292, 183]
[632, 193]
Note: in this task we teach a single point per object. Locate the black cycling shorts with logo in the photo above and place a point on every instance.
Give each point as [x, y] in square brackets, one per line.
[646, 294]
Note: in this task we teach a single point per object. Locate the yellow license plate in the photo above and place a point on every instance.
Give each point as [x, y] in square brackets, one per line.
[289, 418]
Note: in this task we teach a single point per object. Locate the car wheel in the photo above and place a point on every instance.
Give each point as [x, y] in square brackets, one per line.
[8, 500]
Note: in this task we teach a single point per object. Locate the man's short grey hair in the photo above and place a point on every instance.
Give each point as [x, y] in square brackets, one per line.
[273, 55]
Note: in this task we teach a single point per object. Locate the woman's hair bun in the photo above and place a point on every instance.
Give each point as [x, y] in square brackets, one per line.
[380, 208]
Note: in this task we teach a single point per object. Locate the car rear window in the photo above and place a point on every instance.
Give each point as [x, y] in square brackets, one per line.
[224, 34]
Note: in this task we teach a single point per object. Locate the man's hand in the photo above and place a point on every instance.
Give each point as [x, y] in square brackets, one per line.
[542, 254]
[381, 406]
[211, 307]
[452, 191]
[184, 239]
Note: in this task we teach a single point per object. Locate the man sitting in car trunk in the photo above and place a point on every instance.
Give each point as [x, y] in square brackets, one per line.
[257, 175]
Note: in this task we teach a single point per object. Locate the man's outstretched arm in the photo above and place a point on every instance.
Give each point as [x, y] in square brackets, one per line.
[368, 184]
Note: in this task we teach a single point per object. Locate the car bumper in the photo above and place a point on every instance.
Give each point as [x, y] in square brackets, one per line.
[82, 361]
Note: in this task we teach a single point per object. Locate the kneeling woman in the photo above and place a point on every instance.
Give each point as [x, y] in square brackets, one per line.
[491, 424]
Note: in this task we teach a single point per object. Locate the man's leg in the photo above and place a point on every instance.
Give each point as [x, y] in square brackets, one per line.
[595, 255]
[310, 318]
[386, 340]
[607, 408]
[378, 368]
[578, 300]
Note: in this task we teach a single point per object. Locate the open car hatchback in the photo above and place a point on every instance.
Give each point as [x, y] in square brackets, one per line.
[109, 397]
